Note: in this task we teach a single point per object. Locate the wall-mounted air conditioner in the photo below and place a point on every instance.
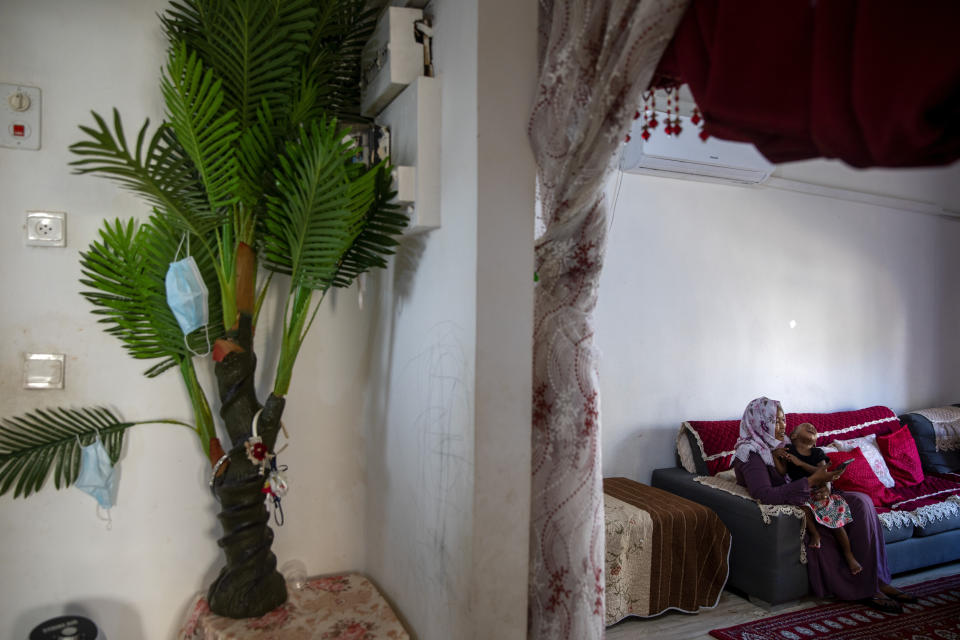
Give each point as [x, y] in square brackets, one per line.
[687, 156]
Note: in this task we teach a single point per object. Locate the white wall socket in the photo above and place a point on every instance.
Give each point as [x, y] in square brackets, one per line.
[46, 229]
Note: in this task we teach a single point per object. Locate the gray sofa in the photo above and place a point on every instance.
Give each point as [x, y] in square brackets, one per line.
[765, 558]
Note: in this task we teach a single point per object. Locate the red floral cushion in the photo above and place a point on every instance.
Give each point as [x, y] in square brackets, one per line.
[859, 476]
[900, 452]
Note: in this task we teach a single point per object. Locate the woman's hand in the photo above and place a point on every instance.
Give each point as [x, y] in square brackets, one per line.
[778, 460]
[781, 453]
[822, 476]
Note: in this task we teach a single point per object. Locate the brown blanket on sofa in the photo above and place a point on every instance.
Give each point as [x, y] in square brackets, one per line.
[662, 552]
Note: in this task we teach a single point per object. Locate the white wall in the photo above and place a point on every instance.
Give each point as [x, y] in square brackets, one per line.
[448, 413]
[701, 282]
[137, 579]
[505, 224]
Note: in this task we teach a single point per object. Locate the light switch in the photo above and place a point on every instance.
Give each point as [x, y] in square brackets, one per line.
[19, 116]
[43, 370]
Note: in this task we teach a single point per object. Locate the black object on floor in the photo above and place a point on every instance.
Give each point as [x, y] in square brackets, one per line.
[66, 628]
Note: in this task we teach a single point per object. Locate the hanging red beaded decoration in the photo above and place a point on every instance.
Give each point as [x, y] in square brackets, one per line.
[653, 111]
[668, 129]
[676, 115]
[696, 119]
[644, 133]
[645, 129]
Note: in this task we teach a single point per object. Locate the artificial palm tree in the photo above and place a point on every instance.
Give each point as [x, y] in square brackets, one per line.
[253, 165]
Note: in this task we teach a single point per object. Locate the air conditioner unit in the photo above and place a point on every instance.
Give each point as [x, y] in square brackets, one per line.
[687, 156]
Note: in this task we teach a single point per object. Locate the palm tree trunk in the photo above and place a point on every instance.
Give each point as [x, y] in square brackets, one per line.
[249, 585]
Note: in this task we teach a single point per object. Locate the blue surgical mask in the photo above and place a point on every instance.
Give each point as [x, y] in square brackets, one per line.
[97, 476]
[187, 294]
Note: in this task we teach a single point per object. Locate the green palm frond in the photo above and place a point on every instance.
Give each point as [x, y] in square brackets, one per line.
[257, 152]
[315, 216]
[333, 63]
[125, 270]
[162, 173]
[252, 45]
[384, 221]
[114, 267]
[36, 442]
[194, 99]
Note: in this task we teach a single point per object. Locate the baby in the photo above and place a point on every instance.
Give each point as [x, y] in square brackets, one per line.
[800, 459]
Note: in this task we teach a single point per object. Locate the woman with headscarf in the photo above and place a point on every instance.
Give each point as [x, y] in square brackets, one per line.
[762, 432]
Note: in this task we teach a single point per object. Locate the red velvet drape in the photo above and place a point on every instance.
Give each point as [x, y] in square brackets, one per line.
[871, 82]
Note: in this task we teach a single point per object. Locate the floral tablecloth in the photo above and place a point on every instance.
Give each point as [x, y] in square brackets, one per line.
[340, 607]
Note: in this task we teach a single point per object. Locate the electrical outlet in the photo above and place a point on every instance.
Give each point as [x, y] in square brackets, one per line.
[46, 229]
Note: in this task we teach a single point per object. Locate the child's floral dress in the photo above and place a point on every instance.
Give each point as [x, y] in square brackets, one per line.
[832, 511]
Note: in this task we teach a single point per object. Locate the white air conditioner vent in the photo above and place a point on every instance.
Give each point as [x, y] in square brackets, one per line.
[688, 156]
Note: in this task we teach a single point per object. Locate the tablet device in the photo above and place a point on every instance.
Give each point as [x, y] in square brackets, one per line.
[843, 465]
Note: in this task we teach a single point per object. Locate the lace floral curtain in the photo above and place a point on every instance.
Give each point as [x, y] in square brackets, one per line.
[596, 57]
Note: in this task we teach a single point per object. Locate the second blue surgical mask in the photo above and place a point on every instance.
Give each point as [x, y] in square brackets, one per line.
[97, 475]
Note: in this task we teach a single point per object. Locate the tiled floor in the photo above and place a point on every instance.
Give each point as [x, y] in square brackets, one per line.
[732, 610]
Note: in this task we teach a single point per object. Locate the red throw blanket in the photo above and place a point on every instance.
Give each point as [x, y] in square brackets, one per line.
[935, 488]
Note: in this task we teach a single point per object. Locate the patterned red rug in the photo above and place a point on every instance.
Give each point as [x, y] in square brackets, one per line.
[936, 617]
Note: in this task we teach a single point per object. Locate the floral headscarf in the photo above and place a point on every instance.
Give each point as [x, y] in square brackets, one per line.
[757, 430]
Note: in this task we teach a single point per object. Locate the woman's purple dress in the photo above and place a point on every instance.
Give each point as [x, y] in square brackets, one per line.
[826, 568]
